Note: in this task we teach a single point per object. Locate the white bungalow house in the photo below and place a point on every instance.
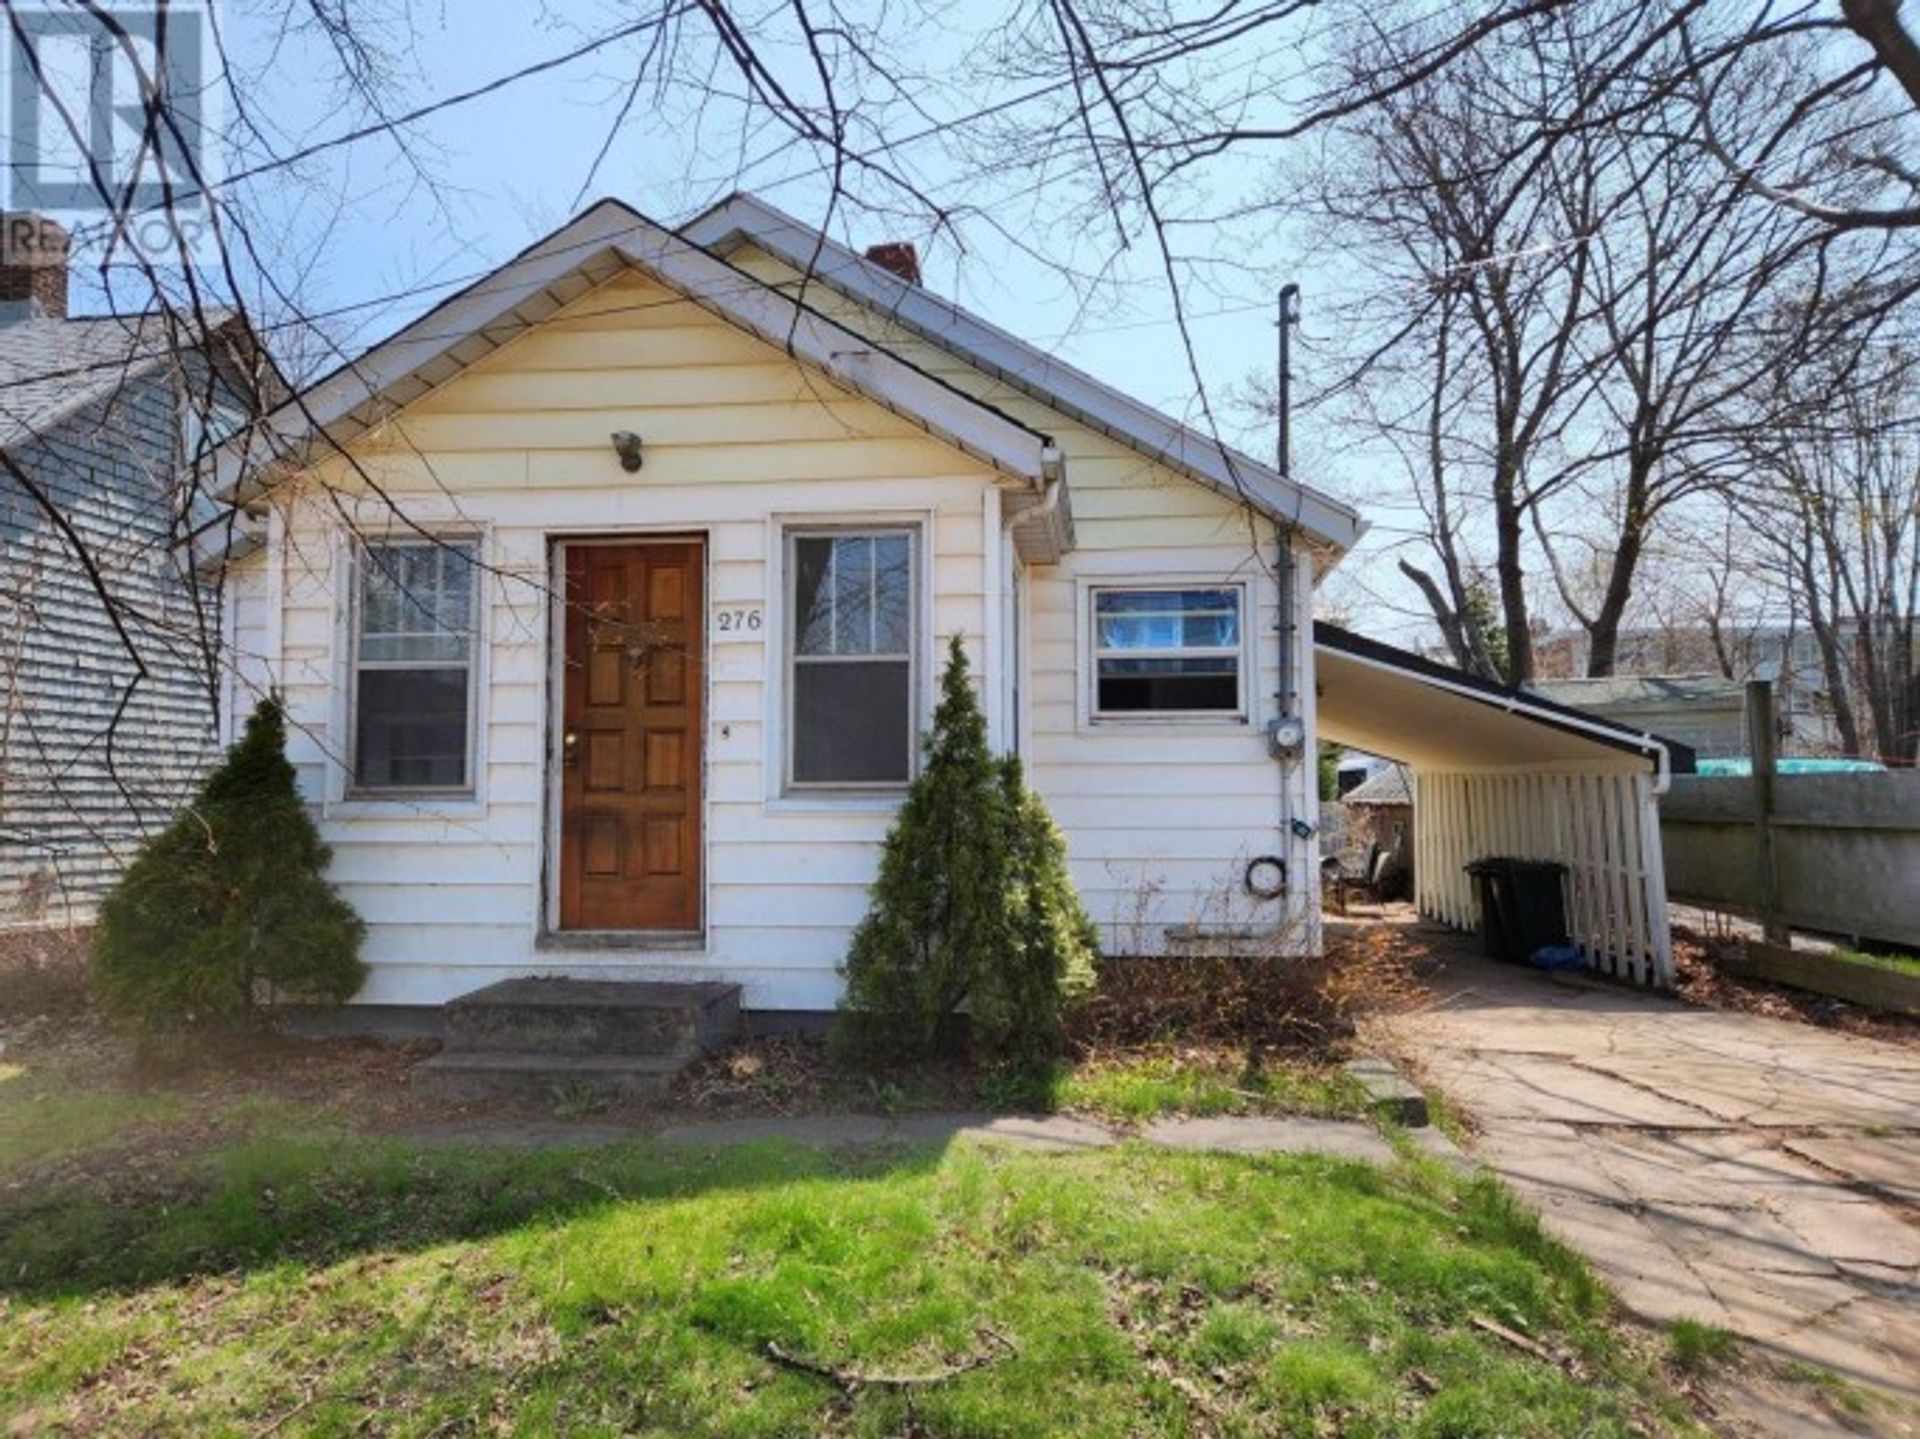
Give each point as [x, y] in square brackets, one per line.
[607, 600]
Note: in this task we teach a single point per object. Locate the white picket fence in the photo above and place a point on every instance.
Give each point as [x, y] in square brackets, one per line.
[1602, 824]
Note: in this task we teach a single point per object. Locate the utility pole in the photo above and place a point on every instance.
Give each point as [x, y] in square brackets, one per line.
[1289, 307]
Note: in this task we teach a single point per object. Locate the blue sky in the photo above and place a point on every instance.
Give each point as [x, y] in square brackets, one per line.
[368, 234]
[517, 163]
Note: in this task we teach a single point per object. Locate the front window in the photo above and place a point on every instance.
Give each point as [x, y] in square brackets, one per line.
[850, 671]
[413, 665]
[1167, 652]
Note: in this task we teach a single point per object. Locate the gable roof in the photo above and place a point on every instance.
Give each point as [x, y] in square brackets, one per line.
[51, 369]
[1028, 368]
[554, 271]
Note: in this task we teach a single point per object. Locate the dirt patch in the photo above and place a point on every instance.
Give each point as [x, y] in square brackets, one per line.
[1702, 976]
[44, 972]
[799, 1076]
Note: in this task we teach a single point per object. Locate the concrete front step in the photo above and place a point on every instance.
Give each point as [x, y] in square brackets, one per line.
[473, 1076]
[593, 1018]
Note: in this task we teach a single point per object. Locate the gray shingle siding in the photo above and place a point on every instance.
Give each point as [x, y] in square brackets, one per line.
[94, 755]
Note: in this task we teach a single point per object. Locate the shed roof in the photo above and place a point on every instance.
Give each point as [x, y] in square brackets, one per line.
[1390, 784]
[1393, 702]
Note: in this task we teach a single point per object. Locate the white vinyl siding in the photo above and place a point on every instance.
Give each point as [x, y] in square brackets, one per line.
[743, 446]
[1160, 819]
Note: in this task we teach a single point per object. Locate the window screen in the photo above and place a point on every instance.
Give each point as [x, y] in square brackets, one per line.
[1166, 651]
[413, 666]
[851, 672]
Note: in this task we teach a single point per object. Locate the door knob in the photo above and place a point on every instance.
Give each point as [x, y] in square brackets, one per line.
[570, 747]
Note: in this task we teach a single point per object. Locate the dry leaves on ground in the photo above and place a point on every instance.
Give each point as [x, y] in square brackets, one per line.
[1701, 976]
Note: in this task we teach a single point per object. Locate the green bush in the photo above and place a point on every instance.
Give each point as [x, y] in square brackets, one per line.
[229, 902]
[973, 905]
[1047, 955]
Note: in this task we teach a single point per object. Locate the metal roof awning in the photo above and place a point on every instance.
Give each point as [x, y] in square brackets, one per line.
[1392, 702]
[1503, 772]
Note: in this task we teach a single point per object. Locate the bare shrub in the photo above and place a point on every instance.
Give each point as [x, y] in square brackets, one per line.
[1266, 999]
[44, 972]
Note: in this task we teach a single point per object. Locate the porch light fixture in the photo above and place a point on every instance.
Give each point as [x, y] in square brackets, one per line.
[626, 444]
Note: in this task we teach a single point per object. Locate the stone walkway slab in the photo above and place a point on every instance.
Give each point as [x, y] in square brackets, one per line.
[1234, 1134]
[1886, 1163]
[1754, 1174]
[1049, 1133]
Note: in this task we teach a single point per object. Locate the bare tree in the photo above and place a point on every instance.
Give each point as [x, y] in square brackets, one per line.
[1145, 117]
[1567, 324]
[1832, 503]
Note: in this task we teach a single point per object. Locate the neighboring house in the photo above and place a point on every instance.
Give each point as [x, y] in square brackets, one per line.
[1703, 711]
[1788, 655]
[1379, 828]
[608, 600]
[108, 642]
[1354, 769]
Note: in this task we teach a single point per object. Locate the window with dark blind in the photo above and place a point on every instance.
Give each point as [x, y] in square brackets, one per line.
[851, 658]
[1166, 652]
[414, 624]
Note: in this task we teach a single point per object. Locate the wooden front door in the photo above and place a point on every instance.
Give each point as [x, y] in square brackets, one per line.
[633, 694]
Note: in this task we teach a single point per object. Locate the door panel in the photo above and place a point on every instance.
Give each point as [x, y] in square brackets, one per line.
[632, 691]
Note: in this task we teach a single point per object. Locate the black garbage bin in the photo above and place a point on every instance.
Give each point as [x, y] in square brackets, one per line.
[1496, 902]
[1522, 906]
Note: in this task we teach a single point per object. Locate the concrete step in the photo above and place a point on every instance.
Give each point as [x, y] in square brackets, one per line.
[593, 1018]
[479, 1076]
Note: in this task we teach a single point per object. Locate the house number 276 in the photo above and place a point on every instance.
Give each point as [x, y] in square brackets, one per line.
[739, 623]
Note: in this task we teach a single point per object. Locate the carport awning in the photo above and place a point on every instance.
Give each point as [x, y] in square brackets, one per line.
[1392, 702]
[1499, 771]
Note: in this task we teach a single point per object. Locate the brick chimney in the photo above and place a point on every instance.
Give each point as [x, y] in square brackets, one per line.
[33, 267]
[900, 257]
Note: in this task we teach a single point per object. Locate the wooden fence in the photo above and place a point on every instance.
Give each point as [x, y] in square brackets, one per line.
[1838, 854]
[1601, 824]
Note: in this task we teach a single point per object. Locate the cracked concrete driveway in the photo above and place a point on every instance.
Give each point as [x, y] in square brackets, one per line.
[1750, 1173]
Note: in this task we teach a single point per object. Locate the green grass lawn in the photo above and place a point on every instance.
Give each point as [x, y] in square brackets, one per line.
[326, 1283]
[1135, 1088]
[1898, 963]
[47, 1117]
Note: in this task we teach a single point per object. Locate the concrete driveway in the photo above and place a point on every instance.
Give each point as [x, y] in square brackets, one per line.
[1754, 1174]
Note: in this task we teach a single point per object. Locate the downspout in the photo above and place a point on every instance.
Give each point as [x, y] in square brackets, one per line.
[1053, 472]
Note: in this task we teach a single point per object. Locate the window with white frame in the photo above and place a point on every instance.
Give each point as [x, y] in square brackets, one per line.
[850, 658]
[413, 665]
[1167, 652]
